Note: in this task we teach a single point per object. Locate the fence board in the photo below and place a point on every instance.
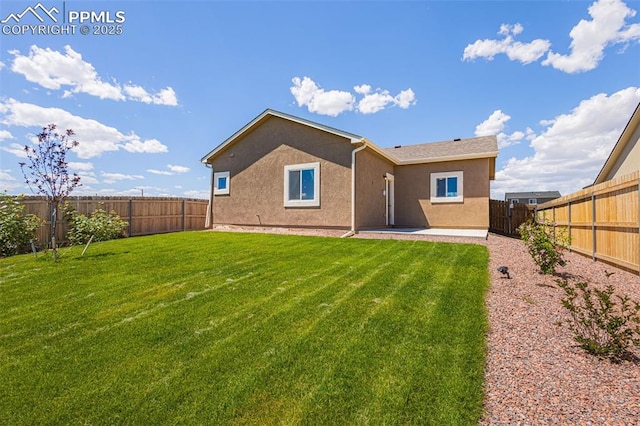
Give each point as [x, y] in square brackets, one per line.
[504, 218]
[603, 221]
[146, 215]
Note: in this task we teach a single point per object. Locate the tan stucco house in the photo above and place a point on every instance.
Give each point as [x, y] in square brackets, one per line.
[282, 170]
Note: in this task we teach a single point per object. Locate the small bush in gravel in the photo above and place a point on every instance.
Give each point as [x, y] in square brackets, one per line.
[602, 323]
[16, 228]
[101, 225]
[546, 244]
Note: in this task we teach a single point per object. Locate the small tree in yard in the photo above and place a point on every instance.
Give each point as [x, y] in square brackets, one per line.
[47, 171]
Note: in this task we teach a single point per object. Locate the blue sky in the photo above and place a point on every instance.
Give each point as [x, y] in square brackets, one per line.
[557, 81]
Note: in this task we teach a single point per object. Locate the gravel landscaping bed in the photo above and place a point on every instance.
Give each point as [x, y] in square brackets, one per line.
[535, 372]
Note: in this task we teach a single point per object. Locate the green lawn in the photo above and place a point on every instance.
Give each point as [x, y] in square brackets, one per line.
[214, 328]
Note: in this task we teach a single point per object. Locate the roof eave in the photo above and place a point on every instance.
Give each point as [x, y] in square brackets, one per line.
[375, 148]
[460, 157]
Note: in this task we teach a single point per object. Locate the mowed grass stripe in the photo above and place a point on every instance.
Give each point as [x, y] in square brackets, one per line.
[245, 328]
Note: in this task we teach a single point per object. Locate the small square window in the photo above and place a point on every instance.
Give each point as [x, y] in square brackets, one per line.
[533, 201]
[302, 185]
[221, 183]
[446, 187]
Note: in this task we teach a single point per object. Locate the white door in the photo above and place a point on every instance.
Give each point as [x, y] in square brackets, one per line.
[389, 197]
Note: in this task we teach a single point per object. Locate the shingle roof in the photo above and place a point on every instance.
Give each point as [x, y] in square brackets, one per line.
[483, 146]
[535, 194]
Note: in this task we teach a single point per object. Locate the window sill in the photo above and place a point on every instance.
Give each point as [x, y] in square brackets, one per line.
[443, 200]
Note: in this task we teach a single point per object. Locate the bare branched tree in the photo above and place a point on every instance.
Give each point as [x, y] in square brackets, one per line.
[47, 172]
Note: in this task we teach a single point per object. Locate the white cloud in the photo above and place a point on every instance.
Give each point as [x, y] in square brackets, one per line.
[203, 194]
[80, 166]
[374, 102]
[6, 175]
[363, 89]
[152, 146]
[2, 65]
[178, 169]
[164, 97]
[495, 124]
[94, 137]
[114, 177]
[515, 50]
[308, 93]
[332, 103]
[57, 70]
[405, 99]
[5, 134]
[160, 172]
[572, 149]
[87, 178]
[172, 170]
[380, 99]
[15, 149]
[590, 38]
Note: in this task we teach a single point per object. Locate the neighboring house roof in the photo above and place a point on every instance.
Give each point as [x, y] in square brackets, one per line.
[459, 149]
[620, 147]
[535, 194]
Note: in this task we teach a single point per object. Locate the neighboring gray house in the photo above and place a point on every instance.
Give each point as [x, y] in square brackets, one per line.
[531, 198]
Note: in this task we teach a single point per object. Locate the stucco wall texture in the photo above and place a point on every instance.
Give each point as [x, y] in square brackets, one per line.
[256, 188]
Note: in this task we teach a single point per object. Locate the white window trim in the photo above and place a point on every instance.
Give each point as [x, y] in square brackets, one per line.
[316, 185]
[218, 191]
[533, 201]
[434, 179]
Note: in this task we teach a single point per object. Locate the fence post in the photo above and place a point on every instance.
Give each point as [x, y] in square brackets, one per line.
[569, 223]
[183, 213]
[593, 225]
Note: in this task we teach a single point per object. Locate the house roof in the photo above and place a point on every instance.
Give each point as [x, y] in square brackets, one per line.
[459, 149]
[535, 194]
[620, 146]
[480, 147]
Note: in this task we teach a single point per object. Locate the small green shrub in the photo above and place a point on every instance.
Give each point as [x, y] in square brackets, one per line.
[16, 228]
[602, 323]
[100, 225]
[546, 244]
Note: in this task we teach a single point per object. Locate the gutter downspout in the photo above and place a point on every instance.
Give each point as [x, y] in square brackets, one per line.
[209, 218]
[352, 231]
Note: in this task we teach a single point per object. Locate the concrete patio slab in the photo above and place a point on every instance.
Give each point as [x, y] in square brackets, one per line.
[474, 233]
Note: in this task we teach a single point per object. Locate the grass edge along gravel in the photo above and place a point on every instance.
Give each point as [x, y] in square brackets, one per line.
[203, 327]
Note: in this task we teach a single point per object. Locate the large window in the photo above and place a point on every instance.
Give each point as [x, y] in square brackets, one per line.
[447, 187]
[302, 185]
[221, 183]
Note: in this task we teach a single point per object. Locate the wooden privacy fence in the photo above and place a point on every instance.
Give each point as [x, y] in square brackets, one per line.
[603, 221]
[504, 218]
[145, 215]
